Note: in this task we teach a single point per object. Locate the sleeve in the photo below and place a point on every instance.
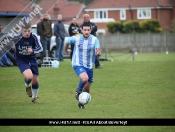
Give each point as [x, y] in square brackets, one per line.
[71, 40]
[70, 33]
[38, 28]
[79, 30]
[97, 44]
[38, 48]
[55, 30]
[94, 27]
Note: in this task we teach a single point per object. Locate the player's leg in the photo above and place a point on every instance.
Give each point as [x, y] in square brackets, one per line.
[87, 87]
[81, 72]
[27, 73]
[35, 88]
[89, 77]
[35, 81]
[27, 79]
[79, 89]
[90, 80]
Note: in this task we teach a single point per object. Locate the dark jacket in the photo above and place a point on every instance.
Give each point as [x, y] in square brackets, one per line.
[73, 29]
[46, 28]
[93, 28]
[39, 30]
[59, 30]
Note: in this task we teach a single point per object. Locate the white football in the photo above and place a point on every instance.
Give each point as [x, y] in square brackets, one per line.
[84, 98]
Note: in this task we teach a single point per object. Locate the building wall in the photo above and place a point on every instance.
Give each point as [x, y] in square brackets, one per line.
[9, 23]
[165, 17]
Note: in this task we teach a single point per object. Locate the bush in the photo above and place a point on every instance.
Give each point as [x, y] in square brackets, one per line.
[150, 25]
[129, 26]
[113, 26]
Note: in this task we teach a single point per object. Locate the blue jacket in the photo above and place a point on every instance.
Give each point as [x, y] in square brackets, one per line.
[59, 30]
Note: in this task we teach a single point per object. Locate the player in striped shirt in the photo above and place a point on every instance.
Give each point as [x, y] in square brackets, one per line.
[85, 49]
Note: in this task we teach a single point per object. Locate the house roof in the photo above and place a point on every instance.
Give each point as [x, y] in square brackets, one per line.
[67, 9]
[12, 6]
[127, 3]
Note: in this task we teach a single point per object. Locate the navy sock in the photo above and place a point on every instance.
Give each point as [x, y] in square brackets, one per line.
[27, 81]
[35, 86]
[80, 86]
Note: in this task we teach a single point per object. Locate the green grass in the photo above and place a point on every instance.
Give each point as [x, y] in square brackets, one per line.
[144, 88]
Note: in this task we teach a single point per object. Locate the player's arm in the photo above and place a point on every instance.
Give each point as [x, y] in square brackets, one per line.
[66, 47]
[38, 48]
[97, 47]
[70, 40]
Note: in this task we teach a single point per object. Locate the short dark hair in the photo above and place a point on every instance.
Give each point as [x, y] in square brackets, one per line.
[86, 24]
[26, 25]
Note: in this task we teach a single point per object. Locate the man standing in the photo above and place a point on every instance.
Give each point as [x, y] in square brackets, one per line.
[60, 33]
[2, 54]
[86, 18]
[73, 31]
[26, 46]
[86, 47]
[44, 29]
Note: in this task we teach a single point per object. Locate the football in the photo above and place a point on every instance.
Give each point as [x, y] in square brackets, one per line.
[84, 98]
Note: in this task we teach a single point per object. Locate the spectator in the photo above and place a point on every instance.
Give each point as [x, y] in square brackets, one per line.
[60, 33]
[73, 31]
[2, 54]
[44, 29]
[86, 18]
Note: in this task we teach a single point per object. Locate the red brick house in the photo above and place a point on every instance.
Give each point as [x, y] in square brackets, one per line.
[103, 11]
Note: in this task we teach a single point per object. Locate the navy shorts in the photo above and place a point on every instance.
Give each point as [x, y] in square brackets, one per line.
[32, 65]
[80, 69]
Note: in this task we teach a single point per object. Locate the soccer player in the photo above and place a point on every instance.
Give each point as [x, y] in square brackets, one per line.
[26, 47]
[85, 49]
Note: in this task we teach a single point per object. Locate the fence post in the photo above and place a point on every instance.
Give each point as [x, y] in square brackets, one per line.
[106, 54]
[133, 54]
[165, 40]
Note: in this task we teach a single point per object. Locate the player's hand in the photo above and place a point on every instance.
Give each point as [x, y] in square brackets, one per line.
[98, 51]
[30, 50]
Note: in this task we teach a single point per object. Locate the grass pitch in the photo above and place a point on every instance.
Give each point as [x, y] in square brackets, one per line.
[144, 88]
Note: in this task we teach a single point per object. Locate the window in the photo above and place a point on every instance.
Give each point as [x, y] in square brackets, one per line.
[122, 14]
[144, 13]
[100, 14]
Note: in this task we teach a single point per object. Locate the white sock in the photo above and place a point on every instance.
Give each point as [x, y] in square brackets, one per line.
[34, 93]
[27, 85]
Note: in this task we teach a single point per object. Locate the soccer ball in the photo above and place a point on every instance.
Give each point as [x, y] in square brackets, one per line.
[84, 98]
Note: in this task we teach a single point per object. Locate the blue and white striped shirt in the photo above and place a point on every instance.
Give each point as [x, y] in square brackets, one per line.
[84, 50]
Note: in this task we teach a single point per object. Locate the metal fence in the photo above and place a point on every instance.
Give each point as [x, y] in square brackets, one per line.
[141, 42]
